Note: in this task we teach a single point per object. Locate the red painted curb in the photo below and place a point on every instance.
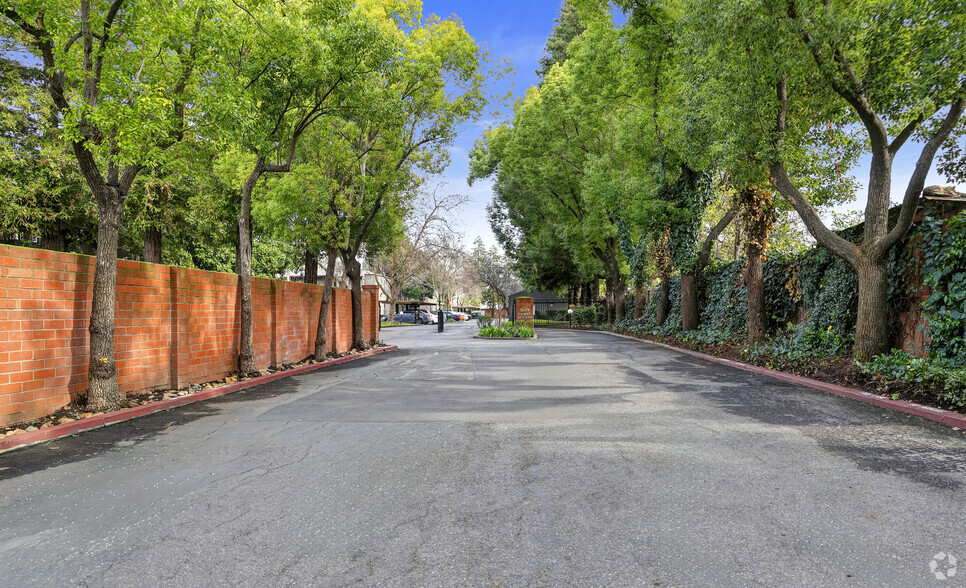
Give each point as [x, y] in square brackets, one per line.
[940, 415]
[125, 414]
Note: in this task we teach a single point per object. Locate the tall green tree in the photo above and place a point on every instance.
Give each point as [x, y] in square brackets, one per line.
[566, 28]
[540, 171]
[42, 195]
[305, 206]
[803, 76]
[120, 76]
[287, 67]
[436, 87]
[665, 150]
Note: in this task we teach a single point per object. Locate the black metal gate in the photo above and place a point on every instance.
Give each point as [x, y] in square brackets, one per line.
[551, 313]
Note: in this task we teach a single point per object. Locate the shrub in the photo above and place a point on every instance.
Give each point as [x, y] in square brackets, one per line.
[587, 315]
[925, 372]
[507, 331]
[803, 342]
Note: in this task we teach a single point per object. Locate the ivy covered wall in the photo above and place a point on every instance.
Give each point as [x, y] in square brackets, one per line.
[812, 297]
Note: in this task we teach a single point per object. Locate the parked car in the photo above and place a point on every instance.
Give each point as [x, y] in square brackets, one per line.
[462, 316]
[427, 318]
[419, 317]
[404, 317]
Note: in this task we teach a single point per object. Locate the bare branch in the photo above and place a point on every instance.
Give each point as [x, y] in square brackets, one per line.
[709, 241]
[71, 41]
[904, 135]
[93, 92]
[853, 93]
[835, 243]
[914, 189]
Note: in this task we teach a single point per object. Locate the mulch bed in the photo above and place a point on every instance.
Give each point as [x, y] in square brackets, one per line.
[76, 410]
[840, 371]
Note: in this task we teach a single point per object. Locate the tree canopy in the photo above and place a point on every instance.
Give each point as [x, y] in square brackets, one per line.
[639, 130]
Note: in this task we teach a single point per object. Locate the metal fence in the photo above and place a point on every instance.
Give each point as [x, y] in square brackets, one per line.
[551, 313]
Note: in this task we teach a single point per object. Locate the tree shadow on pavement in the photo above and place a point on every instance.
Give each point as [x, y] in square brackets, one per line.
[94, 443]
[866, 435]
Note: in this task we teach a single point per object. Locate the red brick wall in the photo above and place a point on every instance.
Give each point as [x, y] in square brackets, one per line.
[44, 299]
[174, 326]
[341, 303]
[914, 324]
[370, 303]
[524, 312]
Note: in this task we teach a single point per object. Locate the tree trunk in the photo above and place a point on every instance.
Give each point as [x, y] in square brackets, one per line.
[617, 281]
[620, 294]
[872, 328]
[322, 332]
[757, 313]
[736, 253]
[395, 293]
[103, 393]
[152, 245]
[640, 297]
[689, 302]
[246, 346]
[353, 270]
[662, 261]
[663, 301]
[609, 301]
[311, 267]
[690, 313]
[758, 215]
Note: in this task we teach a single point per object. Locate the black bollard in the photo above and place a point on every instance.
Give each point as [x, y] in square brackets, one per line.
[440, 319]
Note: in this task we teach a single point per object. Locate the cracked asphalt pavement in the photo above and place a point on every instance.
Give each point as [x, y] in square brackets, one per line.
[578, 459]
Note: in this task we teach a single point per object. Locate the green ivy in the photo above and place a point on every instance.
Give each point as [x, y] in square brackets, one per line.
[924, 372]
[825, 289]
[726, 308]
[943, 253]
[826, 285]
[673, 322]
[829, 288]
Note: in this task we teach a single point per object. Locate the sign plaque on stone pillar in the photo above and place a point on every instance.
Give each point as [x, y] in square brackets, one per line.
[524, 312]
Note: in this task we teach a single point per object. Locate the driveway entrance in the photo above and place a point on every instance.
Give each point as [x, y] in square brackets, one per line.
[574, 459]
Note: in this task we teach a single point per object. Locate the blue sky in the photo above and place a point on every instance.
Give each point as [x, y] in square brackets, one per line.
[517, 31]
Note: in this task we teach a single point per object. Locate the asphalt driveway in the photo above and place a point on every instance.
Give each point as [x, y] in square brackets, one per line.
[576, 459]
